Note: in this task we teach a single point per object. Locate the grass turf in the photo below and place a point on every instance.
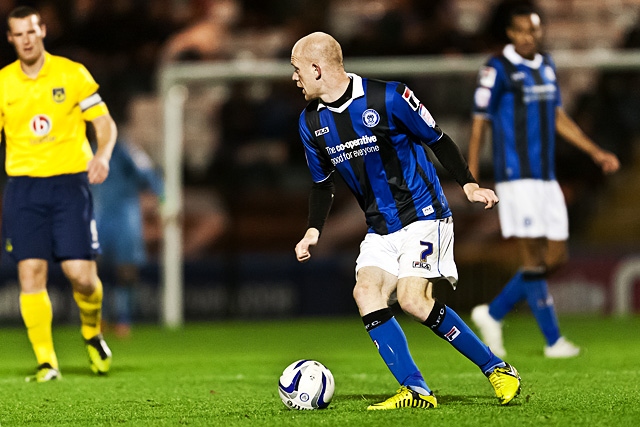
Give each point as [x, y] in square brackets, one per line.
[226, 374]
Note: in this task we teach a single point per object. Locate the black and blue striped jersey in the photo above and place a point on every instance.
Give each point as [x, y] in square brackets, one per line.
[520, 98]
[374, 140]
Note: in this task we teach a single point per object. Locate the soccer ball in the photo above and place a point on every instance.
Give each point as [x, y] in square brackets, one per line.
[306, 384]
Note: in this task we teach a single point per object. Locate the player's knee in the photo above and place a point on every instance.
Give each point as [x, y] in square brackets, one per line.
[365, 292]
[33, 276]
[82, 275]
[556, 262]
[360, 291]
[82, 282]
[416, 306]
[86, 287]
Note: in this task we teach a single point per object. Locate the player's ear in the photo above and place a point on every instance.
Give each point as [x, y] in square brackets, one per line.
[510, 34]
[318, 71]
[43, 28]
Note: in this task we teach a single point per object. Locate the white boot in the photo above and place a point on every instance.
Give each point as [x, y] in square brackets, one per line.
[561, 349]
[490, 329]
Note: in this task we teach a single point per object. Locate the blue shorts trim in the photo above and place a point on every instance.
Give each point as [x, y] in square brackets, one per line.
[49, 218]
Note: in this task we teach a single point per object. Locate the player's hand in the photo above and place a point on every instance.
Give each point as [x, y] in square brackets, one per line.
[98, 169]
[607, 161]
[475, 193]
[302, 248]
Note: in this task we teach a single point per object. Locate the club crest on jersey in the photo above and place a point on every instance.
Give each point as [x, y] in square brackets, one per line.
[59, 95]
[322, 131]
[370, 118]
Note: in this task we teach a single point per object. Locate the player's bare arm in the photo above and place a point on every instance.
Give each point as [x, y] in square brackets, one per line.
[477, 194]
[310, 239]
[572, 133]
[607, 161]
[106, 133]
[478, 127]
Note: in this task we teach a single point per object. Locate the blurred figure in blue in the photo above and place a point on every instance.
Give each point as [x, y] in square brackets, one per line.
[518, 95]
[119, 221]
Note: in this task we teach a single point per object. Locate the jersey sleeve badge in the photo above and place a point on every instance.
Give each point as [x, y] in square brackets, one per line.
[426, 116]
[549, 74]
[487, 77]
[482, 97]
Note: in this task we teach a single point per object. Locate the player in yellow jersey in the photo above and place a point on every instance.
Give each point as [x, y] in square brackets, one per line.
[45, 102]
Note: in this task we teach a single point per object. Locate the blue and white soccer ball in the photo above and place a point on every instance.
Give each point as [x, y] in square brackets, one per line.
[306, 384]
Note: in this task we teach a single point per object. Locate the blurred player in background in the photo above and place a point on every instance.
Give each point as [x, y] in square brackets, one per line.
[45, 101]
[372, 134]
[518, 94]
[119, 220]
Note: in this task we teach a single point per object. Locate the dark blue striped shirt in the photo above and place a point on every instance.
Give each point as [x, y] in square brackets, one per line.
[374, 141]
[520, 98]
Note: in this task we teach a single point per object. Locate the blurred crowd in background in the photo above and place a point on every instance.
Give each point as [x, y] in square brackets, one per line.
[246, 181]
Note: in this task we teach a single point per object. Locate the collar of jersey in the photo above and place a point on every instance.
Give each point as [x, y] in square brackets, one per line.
[358, 91]
[43, 71]
[510, 53]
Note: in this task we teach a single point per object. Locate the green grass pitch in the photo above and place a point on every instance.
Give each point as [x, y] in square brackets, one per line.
[226, 374]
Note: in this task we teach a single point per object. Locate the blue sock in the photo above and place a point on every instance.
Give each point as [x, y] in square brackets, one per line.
[541, 304]
[446, 324]
[392, 345]
[512, 293]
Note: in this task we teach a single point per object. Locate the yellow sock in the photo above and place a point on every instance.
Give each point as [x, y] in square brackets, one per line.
[90, 311]
[37, 315]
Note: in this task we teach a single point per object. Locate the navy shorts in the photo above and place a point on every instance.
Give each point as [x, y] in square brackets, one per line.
[49, 218]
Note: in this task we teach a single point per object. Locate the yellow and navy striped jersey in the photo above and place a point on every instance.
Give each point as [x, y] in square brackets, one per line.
[44, 118]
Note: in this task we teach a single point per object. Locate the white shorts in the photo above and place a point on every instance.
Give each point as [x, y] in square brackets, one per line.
[421, 249]
[531, 208]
